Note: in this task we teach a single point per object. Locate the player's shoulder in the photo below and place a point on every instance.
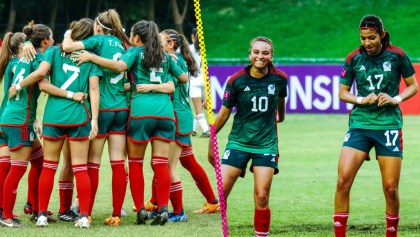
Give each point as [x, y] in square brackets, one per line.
[239, 74]
[352, 55]
[396, 50]
[278, 73]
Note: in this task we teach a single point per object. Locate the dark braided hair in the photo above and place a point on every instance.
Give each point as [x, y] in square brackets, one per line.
[375, 23]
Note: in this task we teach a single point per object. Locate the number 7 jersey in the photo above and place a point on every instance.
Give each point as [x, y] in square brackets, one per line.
[254, 127]
[379, 74]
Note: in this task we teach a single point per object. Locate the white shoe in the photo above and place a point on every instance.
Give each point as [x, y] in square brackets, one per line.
[83, 222]
[42, 221]
[123, 212]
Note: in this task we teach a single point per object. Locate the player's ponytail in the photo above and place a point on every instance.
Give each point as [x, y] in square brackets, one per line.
[10, 48]
[110, 23]
[36, 33]
[149, 35]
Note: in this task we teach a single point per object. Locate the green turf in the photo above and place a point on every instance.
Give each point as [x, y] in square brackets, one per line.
[304, 28]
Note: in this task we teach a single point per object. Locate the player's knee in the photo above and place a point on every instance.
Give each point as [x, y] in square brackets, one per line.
[343, 185]
[261, 198]
[391, 191]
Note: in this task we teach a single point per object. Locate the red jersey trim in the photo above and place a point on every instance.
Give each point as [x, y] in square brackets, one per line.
[113, 110]
[236, 75]
[396, 50]
[352, 54]
[152, 117]
[54, 138]
[16, 147]
[78, 138]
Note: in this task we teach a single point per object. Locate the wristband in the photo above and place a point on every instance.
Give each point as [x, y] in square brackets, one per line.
[398, 99]
[70, 94]
[18, 87]
[359, 100]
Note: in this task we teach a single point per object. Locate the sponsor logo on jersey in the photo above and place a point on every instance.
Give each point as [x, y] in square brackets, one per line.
[226, 155]
[396, 149]
[347, 137]
[226, 95]
[271, 89]
[247, 89]
[362, 68]
[387, 66]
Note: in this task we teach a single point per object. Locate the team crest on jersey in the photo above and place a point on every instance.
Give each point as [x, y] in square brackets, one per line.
[271, 89]
[387, 66]
[226, 95]
[226, 155]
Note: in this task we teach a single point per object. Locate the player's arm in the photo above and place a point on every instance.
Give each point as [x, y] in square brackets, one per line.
[35, 76]
[94, 104]
[345, 95]
[69, 45]
[281, 109]
[84, 56]
[410, 90]
[220, 121]
[167, 88]
[46, 87]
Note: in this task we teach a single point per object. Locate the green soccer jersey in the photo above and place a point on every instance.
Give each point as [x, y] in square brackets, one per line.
[152, 104]
[113, 96]
[381, 73]
[21, 109]
[183, 112]
[254, 127]
[67, 76]
[7, 81]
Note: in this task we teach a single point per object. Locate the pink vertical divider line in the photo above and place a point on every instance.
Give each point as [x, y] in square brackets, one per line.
[219, 180]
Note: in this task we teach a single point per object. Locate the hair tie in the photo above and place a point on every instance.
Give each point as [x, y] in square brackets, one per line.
[106, 28]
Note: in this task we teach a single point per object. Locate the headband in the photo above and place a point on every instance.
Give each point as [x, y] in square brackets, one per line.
[167, 36]
[106, 28]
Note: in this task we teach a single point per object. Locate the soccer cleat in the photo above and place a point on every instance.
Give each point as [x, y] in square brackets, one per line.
[161, 218]
[83, 222]
[112, 221]
[141, 217]
[194, 133]
[149, 206]
[13, 222]
[68, 215]
[123, 212]
[181, 217]
[153, 214]
[205, 134]
[208, 208]
[42, 220]
[27, 209]
[75, 206]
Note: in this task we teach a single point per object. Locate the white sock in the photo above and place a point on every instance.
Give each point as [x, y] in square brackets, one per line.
[202, 122]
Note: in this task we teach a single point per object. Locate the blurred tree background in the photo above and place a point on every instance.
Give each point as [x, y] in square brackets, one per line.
[57, 14]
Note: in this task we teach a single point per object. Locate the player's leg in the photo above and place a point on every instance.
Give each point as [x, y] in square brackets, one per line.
[52, 149]
[4, 168]
[94, 162]
[390, 171]
[263, 177]
[175, 193]
[37, 158]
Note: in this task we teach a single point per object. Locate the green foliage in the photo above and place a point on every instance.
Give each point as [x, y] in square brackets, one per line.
[304, 28]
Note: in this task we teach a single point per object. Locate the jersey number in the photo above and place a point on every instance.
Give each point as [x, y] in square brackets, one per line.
[388, 135]
[72, 78]
[18, 79]
[154, 77]
[261, 105]
[379, 77]
[115, 80]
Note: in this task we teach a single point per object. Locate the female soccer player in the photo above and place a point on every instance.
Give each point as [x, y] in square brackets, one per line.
[258, 92]
[197, 92]
[375, 121]
[151, 117]
[181, 149]
[79, 126]
[17, 123]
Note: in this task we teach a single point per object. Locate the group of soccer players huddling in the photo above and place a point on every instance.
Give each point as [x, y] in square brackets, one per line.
[102, 86]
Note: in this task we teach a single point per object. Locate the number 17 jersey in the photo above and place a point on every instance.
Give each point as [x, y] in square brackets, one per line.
[254, 127]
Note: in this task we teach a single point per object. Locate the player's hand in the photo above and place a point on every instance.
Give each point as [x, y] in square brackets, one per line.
[204, 104]
[94, 130]
[12, 91]
[38, 128]
[210, 155]
[29, 51]
[372, 98]
[81, 57]
[385, 99]
[144, 88]
[79, 97]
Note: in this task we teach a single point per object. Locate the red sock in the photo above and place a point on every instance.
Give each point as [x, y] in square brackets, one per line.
[119, 186]
[135, 174]
[153, 198]
[4, 170]
[392, 225]
[83, 187]
[93, 171]
[37, 158]
[17, 170]
[176, 197]
[200, 177]
[262, 219]
[66, 194]
[161, 168]
[46, 184]
[340, 223]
